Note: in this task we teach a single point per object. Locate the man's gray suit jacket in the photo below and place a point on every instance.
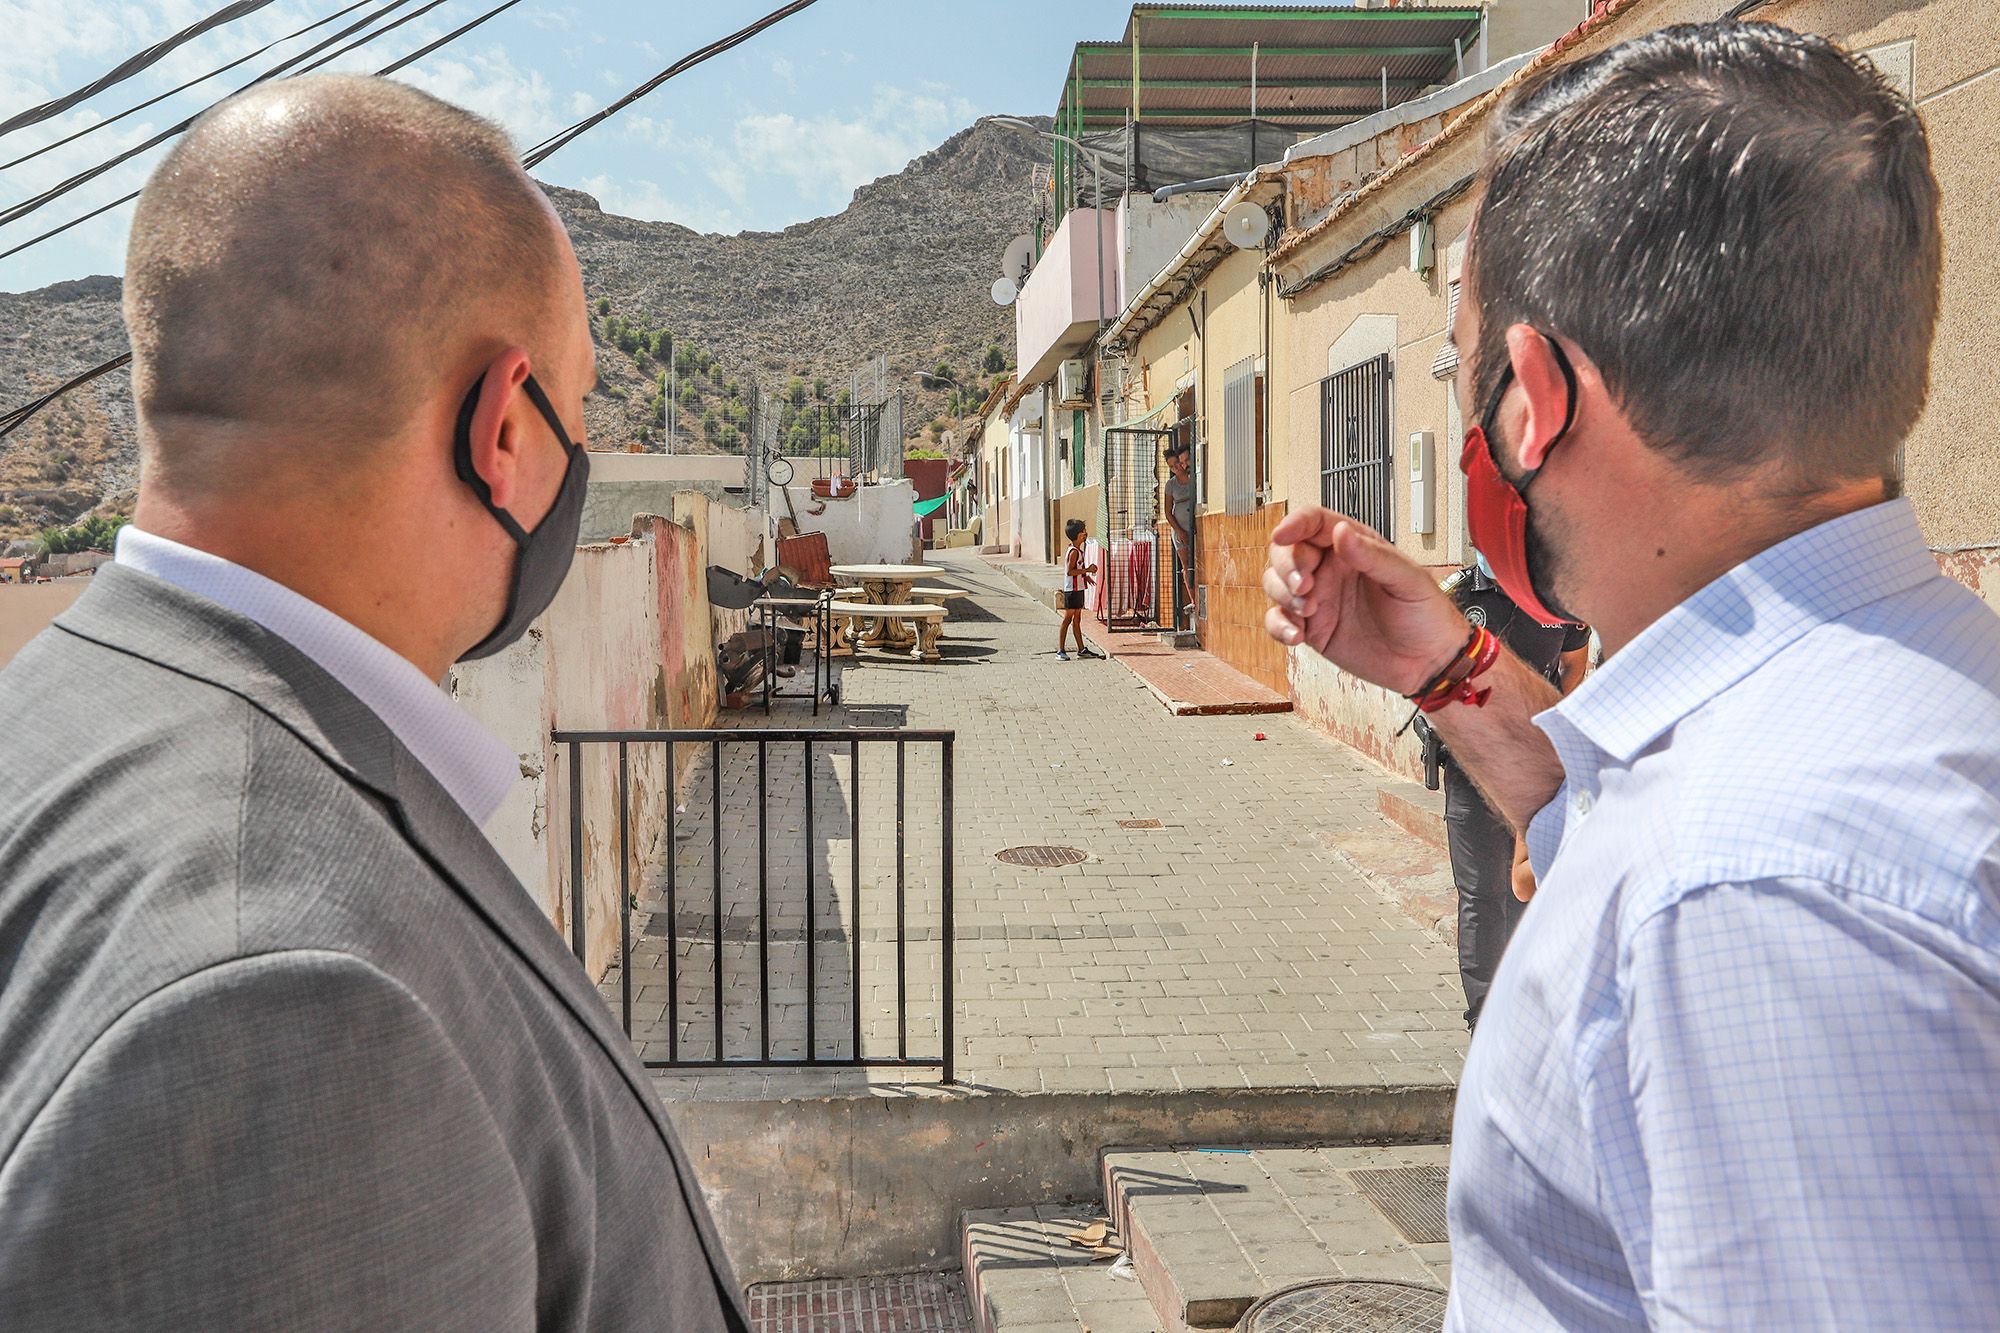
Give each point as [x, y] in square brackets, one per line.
[283, 1044]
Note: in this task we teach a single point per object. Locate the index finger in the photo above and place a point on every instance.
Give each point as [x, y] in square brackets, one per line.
[1312, 524]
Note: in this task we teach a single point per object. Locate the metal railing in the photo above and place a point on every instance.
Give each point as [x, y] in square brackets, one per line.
[1354, 456]
[785, 1001]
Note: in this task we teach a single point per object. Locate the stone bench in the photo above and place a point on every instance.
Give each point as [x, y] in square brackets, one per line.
[928, 617]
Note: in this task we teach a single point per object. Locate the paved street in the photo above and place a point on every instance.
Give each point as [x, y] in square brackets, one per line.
[1227, 947]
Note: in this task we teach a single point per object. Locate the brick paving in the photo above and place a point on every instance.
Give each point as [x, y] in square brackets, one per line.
[1200, 1235]
[1235, 945]
[1187, 682]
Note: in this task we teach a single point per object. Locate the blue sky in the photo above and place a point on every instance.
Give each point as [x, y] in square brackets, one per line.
[777, 131]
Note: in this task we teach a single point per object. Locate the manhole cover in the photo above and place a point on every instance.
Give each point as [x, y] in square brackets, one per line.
[1411, 1197]
[1341, 1306]
[1138, 823]
[1042, 856]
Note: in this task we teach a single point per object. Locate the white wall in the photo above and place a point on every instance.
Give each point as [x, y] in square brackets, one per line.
[874, 526]
[1152, 234]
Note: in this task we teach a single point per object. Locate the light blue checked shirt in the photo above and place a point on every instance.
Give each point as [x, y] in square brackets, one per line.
[1740, 1067]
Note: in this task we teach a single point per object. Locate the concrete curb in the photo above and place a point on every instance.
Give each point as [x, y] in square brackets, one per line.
[864, 1185]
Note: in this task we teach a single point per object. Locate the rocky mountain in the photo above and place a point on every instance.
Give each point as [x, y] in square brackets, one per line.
[902, 273]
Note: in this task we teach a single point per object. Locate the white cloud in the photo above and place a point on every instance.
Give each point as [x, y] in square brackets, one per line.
[827, 157]
[582, 104]
[564, 18]
[647, 130]
[782, 69]
[489, 82]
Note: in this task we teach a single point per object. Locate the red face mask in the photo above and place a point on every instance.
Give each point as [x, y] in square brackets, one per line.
[1497, 508]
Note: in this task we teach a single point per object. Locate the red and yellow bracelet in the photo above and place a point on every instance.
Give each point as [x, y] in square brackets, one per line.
[1454, 683]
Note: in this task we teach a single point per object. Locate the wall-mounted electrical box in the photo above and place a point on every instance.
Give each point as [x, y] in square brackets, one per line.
[1423, 481]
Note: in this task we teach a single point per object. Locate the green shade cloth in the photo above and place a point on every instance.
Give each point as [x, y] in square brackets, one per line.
[925, 508]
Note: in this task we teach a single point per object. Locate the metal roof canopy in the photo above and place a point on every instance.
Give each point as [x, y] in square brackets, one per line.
[1317, 66]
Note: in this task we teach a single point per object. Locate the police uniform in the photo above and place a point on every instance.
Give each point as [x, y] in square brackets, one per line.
[1482, 845]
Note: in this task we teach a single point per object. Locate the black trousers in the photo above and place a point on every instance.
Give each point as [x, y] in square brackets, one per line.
[1482, 866]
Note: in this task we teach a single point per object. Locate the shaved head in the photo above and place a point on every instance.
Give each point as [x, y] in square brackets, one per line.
[326, 257]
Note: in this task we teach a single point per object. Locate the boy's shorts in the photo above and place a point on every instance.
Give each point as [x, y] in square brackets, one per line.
[1073, 601]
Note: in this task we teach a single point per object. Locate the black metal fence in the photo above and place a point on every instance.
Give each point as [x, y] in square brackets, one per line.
[1355, 470]
[767, 917]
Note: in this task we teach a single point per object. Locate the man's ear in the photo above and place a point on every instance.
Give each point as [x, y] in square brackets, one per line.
[1545, 398]
[496, 438]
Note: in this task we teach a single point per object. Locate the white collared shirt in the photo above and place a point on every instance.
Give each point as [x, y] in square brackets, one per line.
[1739, 1066]
[475, 768]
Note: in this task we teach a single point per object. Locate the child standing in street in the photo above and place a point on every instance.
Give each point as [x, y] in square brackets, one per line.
[1077, 577]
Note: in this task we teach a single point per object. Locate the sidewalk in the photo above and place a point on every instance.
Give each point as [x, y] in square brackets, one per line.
[1220, 932]
[1187, 681]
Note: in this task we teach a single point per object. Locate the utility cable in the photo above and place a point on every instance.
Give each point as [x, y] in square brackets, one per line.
[204, 78]
[54, 192]
[558, 141]
[12, 420]
[34, 115]
[451, 36]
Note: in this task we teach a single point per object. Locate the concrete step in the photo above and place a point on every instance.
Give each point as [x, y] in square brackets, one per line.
[1024, 1275]
[1210, 1230]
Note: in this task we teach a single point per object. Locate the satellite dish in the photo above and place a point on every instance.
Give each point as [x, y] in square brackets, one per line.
[1246, 225]
[1004, 291]
[1020, 257]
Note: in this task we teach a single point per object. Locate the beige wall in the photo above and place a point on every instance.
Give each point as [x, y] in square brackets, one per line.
[1080, 503]
[1233, 329]
[27, 608]
[1513, 26]
[1381, 305]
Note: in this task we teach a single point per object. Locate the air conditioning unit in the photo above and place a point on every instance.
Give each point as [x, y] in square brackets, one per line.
[1072, 384]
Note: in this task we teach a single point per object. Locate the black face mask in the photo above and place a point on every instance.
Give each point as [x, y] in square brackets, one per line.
[543, 558]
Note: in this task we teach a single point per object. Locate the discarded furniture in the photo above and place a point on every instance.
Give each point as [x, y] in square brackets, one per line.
[851, 616]
[801, 610]
[885, 585]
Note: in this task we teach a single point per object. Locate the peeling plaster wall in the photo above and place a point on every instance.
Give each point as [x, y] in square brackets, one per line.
[1353, 712]
[625, 646]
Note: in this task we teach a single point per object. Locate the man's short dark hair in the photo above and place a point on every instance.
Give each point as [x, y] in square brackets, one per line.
[1738, 224]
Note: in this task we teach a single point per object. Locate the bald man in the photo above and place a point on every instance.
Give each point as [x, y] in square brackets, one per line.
[283, 1045]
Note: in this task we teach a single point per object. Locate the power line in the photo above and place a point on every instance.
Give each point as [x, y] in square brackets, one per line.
[152, 101]
[34, 115]
[13, 419]
[418, 54]
[54, 192]
[556, 142]
[451, 36]
[16, 416]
